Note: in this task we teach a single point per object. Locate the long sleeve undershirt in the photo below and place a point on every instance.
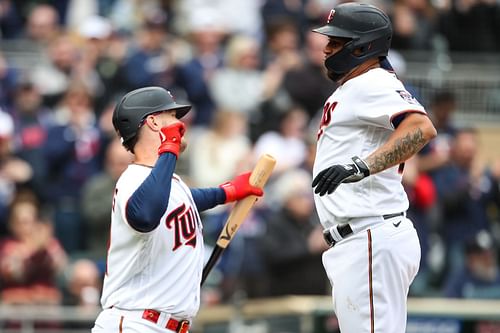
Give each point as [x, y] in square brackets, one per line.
[149, 202]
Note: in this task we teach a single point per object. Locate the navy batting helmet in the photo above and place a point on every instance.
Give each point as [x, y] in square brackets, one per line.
[367, 28]
[135, 106]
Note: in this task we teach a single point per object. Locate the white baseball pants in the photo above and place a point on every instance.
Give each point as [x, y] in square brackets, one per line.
[371, 272]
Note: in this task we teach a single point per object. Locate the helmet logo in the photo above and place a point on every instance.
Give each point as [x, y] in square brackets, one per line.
[330, 16]
[171, 96]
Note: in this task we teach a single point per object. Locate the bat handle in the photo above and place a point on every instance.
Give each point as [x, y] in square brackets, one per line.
[216, 253]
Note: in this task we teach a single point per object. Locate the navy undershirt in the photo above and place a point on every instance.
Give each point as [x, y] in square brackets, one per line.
[149, 202]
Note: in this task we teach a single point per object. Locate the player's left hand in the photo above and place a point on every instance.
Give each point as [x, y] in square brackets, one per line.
[240, 188]
[330, 178]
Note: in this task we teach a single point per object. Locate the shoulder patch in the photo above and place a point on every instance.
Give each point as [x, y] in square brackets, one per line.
[407, 97]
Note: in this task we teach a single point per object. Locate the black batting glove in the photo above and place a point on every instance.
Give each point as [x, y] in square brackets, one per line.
[329, 179]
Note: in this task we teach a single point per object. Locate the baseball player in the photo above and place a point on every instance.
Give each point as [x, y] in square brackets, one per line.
[370, 126]
[155, 254]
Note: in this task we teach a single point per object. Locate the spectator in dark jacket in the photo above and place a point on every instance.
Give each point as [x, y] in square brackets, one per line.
[293, 243]
[73, 152]
[480, 276]
[464, 195]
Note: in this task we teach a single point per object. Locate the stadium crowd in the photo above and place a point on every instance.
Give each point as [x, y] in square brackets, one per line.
[253, 72]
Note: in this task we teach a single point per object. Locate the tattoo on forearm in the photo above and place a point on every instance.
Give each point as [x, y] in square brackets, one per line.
[402, 149]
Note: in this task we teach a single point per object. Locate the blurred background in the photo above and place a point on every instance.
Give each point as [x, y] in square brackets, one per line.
[253, 72]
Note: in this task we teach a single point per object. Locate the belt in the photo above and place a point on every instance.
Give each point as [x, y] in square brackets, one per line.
[180, 326]
[336, 233]
[390, 216]
[341, 230]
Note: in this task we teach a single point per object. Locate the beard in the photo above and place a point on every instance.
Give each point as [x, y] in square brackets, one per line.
[335, 77]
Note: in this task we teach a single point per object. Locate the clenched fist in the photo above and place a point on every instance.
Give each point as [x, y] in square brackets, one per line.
[330, 178]
[171, 138]
[240, 188]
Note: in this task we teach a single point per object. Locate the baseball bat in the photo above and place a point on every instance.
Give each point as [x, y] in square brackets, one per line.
[259, 176]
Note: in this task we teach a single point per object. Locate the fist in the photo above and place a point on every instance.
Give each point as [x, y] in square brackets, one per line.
[240, 188]
[171, 138]
[330, 178]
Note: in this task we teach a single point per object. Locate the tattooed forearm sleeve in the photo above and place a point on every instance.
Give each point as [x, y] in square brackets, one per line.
[396, 151]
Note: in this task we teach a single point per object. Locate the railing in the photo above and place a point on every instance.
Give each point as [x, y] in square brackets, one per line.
[293, 314]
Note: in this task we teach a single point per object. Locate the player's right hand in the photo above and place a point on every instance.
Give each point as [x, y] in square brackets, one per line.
[171, 138]
[240, 188]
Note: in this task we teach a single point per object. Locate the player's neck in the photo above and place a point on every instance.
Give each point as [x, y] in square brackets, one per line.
[361, 69]
[144, 155]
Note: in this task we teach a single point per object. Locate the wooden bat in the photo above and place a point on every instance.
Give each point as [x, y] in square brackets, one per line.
[258, 177]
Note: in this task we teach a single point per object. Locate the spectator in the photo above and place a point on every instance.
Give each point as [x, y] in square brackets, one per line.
[282, 43]
[294, 11]
[280, 54]
[471, 26]
[43, 24]
[30, 258]
[151, 62]
[414, 24]
[73, 152]
[241, 85]
[308, 84]
[83, 284]
[464, 193]
[287, 144]
[62, 56]
[14, 172]
[219, 152]
[293, 242]
[206, 36]
[31, 121]
[422, 193]
[437, 152]
[97, 196]
[97, 67]
[480, 276]
[10, 21]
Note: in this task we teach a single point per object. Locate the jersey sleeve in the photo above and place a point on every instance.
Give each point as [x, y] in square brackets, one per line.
[385, 104]
[144, 201]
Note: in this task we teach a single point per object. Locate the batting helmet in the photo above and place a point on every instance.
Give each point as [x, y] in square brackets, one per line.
[367, 28]
[135, 106]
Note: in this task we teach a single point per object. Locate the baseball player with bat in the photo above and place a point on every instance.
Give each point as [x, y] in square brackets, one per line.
[370, 125]
[155, 255]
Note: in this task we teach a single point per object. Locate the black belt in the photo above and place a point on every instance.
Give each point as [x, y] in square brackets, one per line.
[390, 216]
[345, 229]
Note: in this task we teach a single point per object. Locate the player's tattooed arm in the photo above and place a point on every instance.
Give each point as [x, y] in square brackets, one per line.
[411, 135]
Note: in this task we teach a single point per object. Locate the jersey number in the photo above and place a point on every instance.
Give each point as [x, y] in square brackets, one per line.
[326, 118]
[183, 221]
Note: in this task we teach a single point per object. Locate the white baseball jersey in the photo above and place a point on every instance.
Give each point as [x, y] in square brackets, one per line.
[160, 269]
[357, 119]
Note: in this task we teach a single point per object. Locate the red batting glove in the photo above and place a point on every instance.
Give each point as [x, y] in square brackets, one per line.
[171, 137]
[240, 188]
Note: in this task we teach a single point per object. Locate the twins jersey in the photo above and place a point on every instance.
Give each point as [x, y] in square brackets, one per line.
[357, 119]
[160, 269]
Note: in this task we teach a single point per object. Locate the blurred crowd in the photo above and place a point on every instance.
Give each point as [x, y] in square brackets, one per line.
[253, 71]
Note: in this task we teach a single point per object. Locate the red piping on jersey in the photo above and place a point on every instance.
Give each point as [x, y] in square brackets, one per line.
[405, 111]
[121, 324]
[370, 282]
